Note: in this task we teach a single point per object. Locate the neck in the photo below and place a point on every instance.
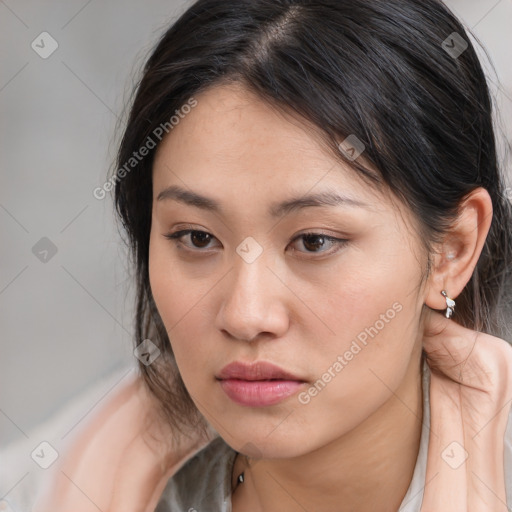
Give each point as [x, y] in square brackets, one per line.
[368, 469]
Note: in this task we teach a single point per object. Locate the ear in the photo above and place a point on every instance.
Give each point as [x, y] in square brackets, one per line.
[457, 256]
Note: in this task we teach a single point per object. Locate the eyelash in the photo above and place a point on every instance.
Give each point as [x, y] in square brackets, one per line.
[176, 236]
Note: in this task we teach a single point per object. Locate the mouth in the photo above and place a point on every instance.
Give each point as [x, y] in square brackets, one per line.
[258, 384]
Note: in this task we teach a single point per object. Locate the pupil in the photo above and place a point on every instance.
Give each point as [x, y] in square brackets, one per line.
[200, 234]
[308, 238]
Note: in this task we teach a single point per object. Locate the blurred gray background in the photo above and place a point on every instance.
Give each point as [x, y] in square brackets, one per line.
[66, 298]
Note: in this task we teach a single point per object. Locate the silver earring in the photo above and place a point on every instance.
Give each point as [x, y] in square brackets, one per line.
[450, 304]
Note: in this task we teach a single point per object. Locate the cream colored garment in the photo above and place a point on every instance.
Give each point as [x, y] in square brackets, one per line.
[203, 483]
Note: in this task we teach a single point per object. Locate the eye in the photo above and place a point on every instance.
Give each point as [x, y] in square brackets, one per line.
[201, 237]
[311, 241]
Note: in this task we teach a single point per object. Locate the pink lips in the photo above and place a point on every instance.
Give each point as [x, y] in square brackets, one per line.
[258, 384]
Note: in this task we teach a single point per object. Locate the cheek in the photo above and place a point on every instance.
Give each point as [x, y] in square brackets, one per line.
[369, 311]
[163, 280]
[165, 286]
[174, 293]
[180, 302]
[358, 373]
[357, 297]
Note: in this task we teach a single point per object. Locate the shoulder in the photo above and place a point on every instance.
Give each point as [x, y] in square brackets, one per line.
[203, 482]
[89, 469]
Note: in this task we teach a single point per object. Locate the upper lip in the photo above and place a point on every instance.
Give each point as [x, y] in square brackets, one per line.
[255, 371]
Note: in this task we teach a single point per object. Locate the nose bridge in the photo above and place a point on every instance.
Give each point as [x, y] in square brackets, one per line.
[251, 274]
[252, 303]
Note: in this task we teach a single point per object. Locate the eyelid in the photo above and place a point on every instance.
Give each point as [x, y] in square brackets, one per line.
[339, 242]
[176, 235]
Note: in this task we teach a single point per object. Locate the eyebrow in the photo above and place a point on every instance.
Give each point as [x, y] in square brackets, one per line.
[278, 209]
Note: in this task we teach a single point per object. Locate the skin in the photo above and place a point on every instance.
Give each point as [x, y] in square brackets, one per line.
[470, 403]
[299, 308]
[324, 455]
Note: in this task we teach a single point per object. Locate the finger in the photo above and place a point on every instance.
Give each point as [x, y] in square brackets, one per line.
[448, 345]
[446, 466]
[435, 323]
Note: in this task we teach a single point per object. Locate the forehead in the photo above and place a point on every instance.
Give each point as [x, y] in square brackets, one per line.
[232, 136]
[251, 158]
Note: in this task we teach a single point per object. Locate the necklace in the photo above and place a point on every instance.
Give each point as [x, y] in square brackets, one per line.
[241, 476]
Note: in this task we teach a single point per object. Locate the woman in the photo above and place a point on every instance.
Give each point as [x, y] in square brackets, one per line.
[322, 243]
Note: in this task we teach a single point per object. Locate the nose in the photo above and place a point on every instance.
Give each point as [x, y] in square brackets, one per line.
[254, 302]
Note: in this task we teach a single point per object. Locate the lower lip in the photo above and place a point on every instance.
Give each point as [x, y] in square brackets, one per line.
[259, 393]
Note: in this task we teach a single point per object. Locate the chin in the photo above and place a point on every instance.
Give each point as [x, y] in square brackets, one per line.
[261, 445]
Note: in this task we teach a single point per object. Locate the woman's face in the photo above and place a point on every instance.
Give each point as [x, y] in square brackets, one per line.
[342, 318]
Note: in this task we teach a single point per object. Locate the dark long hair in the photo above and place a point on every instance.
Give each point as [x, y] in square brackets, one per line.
[384, 71]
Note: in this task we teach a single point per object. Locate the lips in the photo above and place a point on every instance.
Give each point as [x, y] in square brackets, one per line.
[255, 371]
[258, 384]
